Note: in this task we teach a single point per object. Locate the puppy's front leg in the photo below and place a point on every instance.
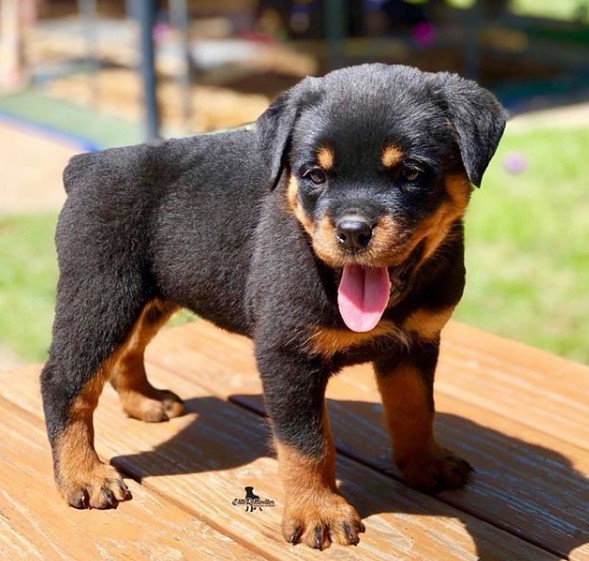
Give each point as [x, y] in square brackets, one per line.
[315, 512]
[406, 387]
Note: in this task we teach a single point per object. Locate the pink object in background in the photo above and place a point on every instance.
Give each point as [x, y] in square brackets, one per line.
[424, 33]
[515, 163]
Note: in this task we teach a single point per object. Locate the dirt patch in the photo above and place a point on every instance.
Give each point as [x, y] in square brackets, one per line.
[32, 165]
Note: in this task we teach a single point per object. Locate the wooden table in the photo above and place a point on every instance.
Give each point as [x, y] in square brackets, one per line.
[519, 415]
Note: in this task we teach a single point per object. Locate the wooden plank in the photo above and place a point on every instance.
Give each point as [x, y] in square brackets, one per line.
[36, 524]
[543, 390]
[203, 460]
[488, 371]
[527, 481]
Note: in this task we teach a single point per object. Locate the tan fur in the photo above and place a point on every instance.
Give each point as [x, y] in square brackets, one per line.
[435, 228]
[391, 156]
[426, 323]
[139, 398]
[380, 252]
[78, 465]
[327, 342]
[325, 242]
[315, 511]
[409, 416]
[326, 157]
[408, 412]
[295, 207]
[385, 239]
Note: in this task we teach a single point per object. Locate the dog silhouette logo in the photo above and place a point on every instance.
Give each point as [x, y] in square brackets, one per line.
[252, 501]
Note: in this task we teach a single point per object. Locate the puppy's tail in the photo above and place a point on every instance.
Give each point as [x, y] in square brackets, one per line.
[76, 170]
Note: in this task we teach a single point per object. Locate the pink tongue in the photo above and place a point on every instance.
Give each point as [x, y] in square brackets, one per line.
[363, 295]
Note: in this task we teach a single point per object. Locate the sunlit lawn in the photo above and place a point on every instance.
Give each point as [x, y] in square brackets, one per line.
[527, 259]
[557, 9]
[28, 273]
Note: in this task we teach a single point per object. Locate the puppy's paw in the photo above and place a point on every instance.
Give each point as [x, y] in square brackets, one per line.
[317, 520]
[435, 471]
[153, 406]
[98, 486]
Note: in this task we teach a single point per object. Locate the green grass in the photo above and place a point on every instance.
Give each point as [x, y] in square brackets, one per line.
[28, 274]
[528, 265]
[553, 9]
[556, 9]
[28, 278]
[527, 260]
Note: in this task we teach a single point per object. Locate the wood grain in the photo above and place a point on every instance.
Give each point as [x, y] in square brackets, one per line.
[536, 388]
[202, 461]
[528, 481]
[35, 522]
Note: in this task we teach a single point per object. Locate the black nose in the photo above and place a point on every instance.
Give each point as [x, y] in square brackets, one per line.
[353, 233]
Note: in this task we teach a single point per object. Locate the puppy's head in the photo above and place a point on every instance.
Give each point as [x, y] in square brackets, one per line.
[377, 164]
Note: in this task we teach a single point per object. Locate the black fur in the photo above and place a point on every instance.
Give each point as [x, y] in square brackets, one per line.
[203, 223]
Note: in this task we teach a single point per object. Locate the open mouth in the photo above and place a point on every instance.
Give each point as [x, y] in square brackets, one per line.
[365, 292]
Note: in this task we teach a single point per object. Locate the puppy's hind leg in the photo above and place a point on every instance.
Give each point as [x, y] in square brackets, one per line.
[139, 398]
[94, 316]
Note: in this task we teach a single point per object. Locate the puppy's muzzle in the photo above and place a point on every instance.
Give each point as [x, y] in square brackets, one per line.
[353, 233]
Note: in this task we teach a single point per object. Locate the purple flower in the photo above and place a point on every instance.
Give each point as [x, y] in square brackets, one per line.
[515, 163]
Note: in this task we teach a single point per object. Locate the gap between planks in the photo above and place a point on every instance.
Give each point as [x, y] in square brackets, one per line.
[410, 525]
[224, 365]
[35, 523]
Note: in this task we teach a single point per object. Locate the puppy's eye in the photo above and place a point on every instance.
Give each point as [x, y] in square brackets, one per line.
[316, 175]
[410, 173]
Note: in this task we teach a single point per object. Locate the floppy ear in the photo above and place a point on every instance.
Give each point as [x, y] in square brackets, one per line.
[479, 121]
[275, 125]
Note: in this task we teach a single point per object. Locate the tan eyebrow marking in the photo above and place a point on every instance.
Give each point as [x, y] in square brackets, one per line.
[391, 156]
[325, 157]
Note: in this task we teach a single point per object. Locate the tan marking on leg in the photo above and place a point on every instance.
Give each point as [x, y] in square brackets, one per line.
[139, 398]
[428, 323]
[409, 415]
[327, 341]
[83, 480]
[326, 157]
[391, 156]
[315, 512]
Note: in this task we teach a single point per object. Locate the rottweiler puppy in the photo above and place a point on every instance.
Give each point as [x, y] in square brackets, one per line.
[331, 233]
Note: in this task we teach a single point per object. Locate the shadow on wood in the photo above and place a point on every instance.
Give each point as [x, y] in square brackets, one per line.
[548, 508]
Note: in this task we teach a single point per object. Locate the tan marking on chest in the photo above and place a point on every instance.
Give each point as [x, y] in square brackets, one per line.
[328, 341]
[426, 323]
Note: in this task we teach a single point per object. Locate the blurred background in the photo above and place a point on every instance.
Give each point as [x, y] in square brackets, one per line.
[91, 74]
